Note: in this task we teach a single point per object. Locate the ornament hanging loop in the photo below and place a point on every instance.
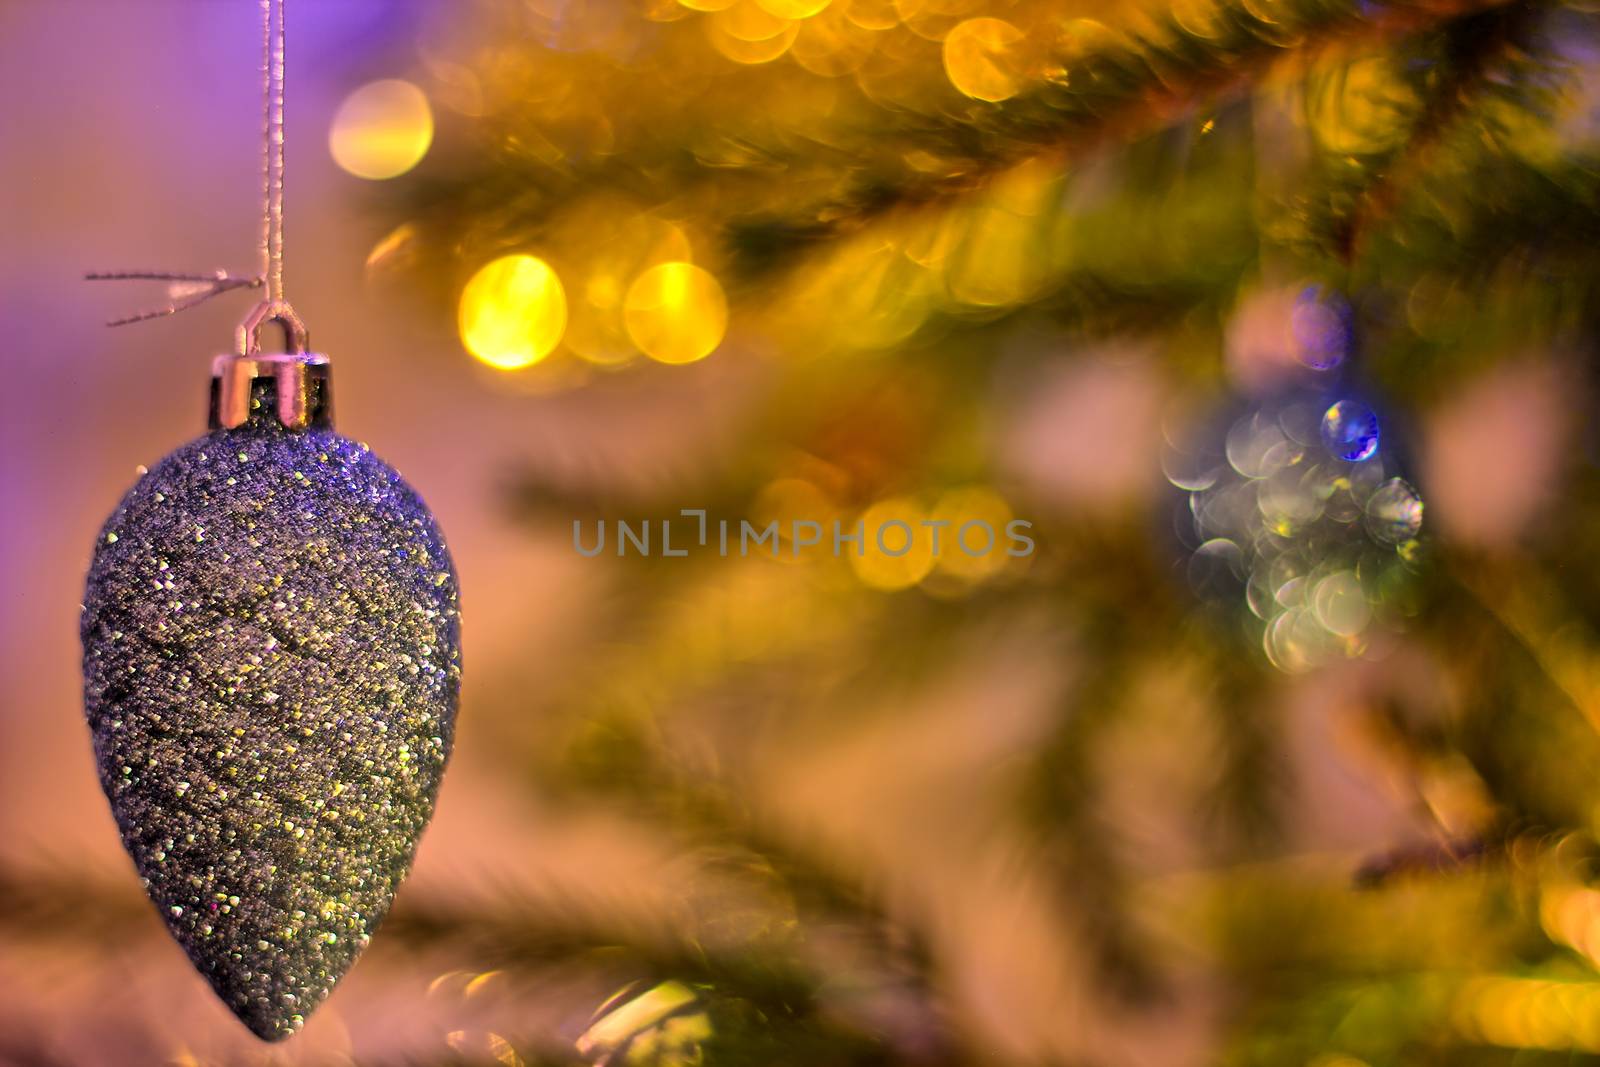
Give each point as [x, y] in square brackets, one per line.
[300, 391]
[247, 338]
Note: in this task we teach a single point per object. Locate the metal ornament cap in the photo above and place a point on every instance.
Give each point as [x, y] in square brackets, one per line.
[301, 395]
[271, 637]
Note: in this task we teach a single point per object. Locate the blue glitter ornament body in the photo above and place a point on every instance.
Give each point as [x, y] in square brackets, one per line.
[272, 663]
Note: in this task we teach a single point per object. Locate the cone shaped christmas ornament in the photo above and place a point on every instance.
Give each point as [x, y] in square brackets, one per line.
[271, 668]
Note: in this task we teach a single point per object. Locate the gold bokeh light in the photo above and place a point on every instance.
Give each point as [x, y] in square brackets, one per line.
[676, 313]
[513, 312]
[975, 545]
[793, 9]
[749, 34]
[382, 130]
[896, 550]
[980, 58]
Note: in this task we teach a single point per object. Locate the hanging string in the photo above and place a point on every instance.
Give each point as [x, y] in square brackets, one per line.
[272, 78]
[191, 289]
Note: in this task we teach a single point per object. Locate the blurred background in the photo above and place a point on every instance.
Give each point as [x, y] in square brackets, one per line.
[1275, 319]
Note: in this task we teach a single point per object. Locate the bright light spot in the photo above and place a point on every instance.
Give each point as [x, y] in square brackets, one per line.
[631, 1023]
[873, 14]
[896, 550]
[749, 21]
[793, 9]
[749, 34]
[974, 545]
[1361, 108]
[980, 58]
[831, 45]
[382, 130]
[513, 312]
[612, 242]
[804, 515]
[676, 313]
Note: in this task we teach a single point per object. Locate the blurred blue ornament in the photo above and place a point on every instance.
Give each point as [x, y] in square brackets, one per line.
[1296, 514]
[1350, 431]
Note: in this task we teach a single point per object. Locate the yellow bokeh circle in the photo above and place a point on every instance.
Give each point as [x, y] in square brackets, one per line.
[752, 53]
[872, 14]
[748, 33]
[382, 130]
[896, 549]
[513, 312]
[977, 543]
[804, 515]
[981, 58]
[793, 9]
[613, 241]
[831, 45]
[748, 21]
[1360, 108]
[676, 313]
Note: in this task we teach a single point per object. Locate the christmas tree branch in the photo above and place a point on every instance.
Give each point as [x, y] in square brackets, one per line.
[1473, 49]
[51, 900]
[1136, 90]
[1117, 93]
[510, 933]
[626, 767]
[532, 935]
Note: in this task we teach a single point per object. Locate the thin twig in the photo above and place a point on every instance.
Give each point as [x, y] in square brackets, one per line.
[215, 284]
[1478, 43]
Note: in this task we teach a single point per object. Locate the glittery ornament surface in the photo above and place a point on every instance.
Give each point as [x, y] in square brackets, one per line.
[1298, 516]
[271, 660]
